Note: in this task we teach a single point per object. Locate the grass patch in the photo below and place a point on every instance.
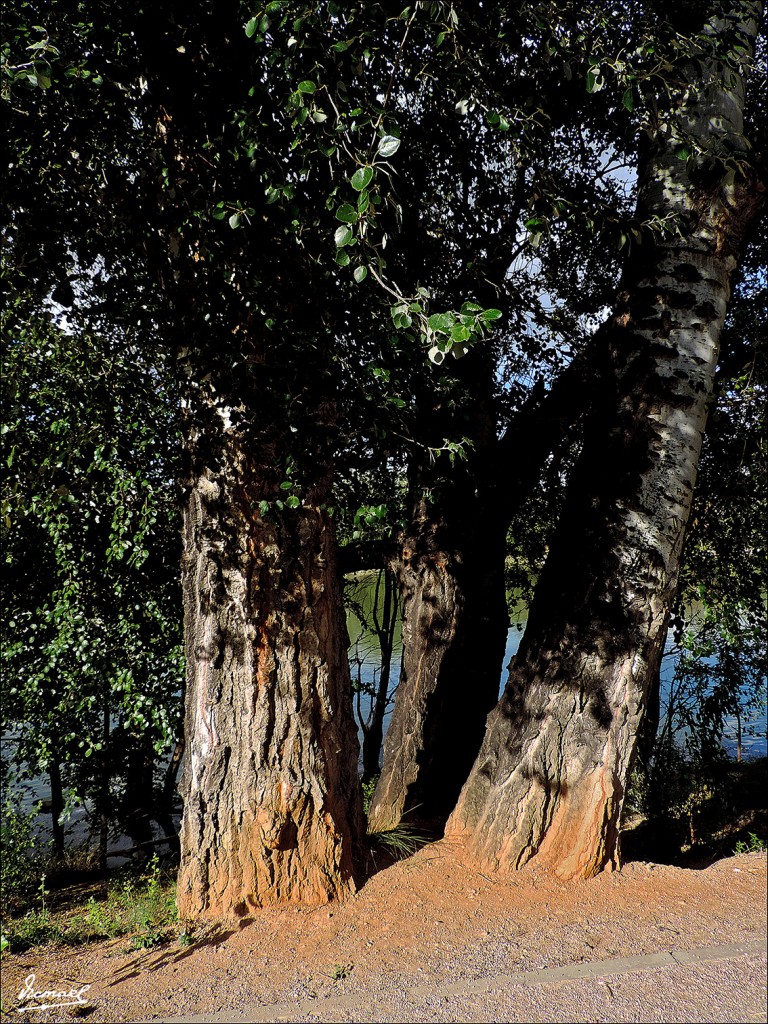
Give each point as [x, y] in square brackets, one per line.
[399, 842]
[140, 906]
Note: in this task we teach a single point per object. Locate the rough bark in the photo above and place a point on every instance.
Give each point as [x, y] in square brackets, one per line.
[455, 619]
[272, 804]
[454, 632]
[550, 777]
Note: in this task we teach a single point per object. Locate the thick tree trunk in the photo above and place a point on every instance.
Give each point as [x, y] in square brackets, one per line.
[550, 778]
[454, 633]
[272, 803]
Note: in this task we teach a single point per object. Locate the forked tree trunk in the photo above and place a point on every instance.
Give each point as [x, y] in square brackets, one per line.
[455, 616]
[272, 802]
[550, 778]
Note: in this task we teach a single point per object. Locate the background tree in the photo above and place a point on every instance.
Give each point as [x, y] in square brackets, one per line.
[92, 628]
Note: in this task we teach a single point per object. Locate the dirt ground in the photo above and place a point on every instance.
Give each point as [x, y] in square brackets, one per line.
[425, 919]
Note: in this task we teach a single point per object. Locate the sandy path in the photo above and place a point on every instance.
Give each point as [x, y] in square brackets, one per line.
[432, 939]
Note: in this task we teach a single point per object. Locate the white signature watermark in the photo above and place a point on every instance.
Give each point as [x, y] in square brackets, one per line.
[49, 999]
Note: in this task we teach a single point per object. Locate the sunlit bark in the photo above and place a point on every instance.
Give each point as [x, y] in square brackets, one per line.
[550, 778]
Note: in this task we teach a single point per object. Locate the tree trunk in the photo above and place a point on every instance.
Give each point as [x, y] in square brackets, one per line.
[550, 778]
[384, 625]
[272, 803]
[57, 806]
[454, 633]
[105, 796]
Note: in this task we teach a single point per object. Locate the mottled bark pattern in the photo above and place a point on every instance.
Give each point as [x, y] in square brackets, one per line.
[454, 633]
[549, 780]
[272, 807]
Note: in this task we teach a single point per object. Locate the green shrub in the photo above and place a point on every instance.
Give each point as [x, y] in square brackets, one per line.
[20, 862]
[143, 907]
[752, 844]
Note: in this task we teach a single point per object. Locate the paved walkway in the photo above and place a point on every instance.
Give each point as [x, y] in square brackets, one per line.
[708, 985]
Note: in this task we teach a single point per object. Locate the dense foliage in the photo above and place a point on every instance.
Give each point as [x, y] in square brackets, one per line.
[394, 211]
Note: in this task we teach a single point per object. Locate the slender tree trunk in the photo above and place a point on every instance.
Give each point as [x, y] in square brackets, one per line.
[550, 778]
[105, 802]
[272, 803]
[649, 729]
[137, 806]
[167, 795]
[384, 626]
[57, 806]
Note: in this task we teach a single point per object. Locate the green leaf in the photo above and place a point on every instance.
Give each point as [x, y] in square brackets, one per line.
[388, 146]
[347, 214]
[595, 81]
[460, 333]
[293, 501]
[342, 236]
[234, 221]
[360, 274]
[490, 314]
[363, 201]
[361, 178]
[683, 152]
[342, 258]
[441, 321]
[251, 27]
[628, 100]
[307, 87]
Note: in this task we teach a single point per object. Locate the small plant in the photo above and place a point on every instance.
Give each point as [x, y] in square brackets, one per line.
[752, 844]
[34, 929]
[369, 788]
[185, 939]
[341, 971]
[398, 842]
[147, 938]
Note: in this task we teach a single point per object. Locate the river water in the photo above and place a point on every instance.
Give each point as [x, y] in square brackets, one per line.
[366, 666]
[753, 727]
